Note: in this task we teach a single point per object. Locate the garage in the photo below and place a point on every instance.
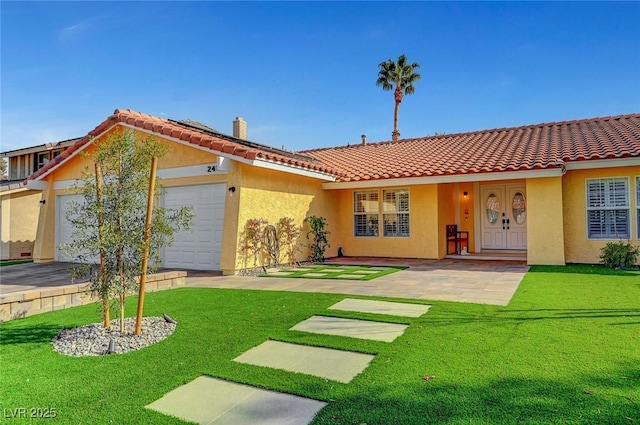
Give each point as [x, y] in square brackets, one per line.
[197, 249]
[64, 228]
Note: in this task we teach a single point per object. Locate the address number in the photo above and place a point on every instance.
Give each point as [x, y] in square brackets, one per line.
[211, 169]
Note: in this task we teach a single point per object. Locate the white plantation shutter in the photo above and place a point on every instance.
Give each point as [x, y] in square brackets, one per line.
[608, 208]
[366, 210]
[396, 209]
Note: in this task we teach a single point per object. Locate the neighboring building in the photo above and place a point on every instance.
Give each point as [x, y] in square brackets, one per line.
[26, 161]
[19, 206]
[554, 193]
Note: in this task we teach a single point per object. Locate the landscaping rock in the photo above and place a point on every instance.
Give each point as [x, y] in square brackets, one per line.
[94, 339]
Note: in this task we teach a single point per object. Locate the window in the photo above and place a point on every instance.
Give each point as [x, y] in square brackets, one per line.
[366, 211]
[608, 208]
[43, 158]
[395, 207]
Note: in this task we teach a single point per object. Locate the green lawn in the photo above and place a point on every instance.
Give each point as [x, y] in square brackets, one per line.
[566, 350]
[14, 262]
[336, 271]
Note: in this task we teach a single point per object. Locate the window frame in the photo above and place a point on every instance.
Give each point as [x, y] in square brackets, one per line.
[375, 230]
[398, 211]
[608, 208]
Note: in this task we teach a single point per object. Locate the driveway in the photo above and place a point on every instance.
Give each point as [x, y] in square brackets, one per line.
[29, 276]
[481, 282]
[32, 276]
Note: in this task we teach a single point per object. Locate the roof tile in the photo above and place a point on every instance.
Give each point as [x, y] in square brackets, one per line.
[529, 147]
[195, 134]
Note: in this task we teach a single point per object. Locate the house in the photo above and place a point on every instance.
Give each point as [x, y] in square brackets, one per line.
[553, 192]
[19, 206]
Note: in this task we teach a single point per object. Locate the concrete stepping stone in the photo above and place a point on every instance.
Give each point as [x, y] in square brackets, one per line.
[314, 274]
[207, 400]
[338, 365]
[351, 276]
[363, 329]
[381, 307]
[284, 273]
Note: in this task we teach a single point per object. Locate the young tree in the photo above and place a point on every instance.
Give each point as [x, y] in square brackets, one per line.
[399, 77]
[109, 223]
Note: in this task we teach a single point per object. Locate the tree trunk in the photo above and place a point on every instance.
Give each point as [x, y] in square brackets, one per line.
[103, 266]
[398, 98]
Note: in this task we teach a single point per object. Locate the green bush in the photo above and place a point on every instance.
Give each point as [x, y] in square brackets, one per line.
[319, 233]
[619, 254]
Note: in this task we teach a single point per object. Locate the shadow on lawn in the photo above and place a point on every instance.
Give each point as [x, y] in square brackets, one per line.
[595, 400]
[588, 269]
[33, 334]
[539, 314]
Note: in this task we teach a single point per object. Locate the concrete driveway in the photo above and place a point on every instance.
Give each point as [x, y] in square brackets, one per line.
[29, 276]
[32, 276]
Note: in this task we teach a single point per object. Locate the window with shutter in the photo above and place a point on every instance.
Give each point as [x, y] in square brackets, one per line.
[608, 208]
[395, 207]
[366, 211]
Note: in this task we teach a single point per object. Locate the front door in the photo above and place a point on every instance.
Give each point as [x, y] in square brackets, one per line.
[504, 217]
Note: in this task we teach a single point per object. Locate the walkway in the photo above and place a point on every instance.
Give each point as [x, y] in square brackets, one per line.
[210, 401]
[482, 282]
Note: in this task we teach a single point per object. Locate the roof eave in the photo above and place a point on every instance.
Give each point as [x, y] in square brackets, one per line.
[447, 178]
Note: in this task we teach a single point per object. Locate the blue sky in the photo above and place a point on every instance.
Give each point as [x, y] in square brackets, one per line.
[302, 74]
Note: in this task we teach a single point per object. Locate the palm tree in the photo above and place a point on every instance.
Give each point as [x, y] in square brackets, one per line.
[402, 75]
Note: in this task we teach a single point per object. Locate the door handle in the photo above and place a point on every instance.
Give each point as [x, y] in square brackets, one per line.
[508, 222]
[503, 224]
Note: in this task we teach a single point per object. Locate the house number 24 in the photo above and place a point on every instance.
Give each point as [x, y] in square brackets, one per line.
[211, 168]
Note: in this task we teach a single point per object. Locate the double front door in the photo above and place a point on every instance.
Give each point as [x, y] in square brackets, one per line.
[503, 212]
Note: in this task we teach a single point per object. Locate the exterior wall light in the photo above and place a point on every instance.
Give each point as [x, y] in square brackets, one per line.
[231, 190]
[465, 194]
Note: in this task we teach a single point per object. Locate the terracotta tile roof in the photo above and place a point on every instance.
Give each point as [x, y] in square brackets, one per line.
[196, 134]
[529, 147]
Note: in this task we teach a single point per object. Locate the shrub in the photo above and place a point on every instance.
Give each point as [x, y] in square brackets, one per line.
[619, 254]
[320, 241]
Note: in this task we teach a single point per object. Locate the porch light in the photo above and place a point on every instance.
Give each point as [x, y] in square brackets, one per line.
[231, 190]
[465, 194]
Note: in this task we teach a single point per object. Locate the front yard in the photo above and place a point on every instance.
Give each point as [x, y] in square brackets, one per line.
[565, 350]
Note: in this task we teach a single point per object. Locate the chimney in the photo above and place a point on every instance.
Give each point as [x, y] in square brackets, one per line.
[240, 128]
[364, 140]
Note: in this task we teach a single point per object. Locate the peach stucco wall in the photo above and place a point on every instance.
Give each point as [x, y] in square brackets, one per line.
[578, 248]
[424, 226]
[545, 227]
[271, 195]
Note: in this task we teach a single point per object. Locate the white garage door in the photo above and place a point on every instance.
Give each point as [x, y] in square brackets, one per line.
[64, 228]
[200, 248]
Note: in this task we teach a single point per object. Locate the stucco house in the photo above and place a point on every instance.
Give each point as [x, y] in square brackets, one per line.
[554, 193]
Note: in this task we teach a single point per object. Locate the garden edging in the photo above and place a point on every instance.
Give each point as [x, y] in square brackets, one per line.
[28, 303]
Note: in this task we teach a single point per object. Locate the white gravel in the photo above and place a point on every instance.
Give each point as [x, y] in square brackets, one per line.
[93, 339]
